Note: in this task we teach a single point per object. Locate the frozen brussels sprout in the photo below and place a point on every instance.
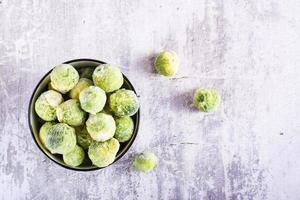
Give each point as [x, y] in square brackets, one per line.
[46, 104]
[108, 77]
[124, 103]
[69, 112]
[124, 129]
[166, 63]
[92, 99]
[103, 153]
[75, 157]
[64, 77]
[145, 161]
[206, 100]
[83, 137]
[43, 131]
[81, 85]
[60, 138]
[101, 126]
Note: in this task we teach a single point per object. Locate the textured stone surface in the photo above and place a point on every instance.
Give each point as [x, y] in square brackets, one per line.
[247, 49]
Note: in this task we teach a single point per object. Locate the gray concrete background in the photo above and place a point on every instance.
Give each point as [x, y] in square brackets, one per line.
[247, 49]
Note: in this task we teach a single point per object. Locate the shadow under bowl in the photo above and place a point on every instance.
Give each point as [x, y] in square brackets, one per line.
[85, 67]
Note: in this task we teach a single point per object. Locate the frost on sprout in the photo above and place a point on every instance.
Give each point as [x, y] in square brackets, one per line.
[64, 77]
[46, 104]
[167, 63]
[124, 103]
[101, 126]
[70, 112]
[92, 99]
[145, 161]
[103, 154]
[60, 138]
[108, 77]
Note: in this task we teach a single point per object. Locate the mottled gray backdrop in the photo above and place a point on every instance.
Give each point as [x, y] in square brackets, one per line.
[247, 49]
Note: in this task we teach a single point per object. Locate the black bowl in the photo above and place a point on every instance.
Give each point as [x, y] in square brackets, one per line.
[84, 67]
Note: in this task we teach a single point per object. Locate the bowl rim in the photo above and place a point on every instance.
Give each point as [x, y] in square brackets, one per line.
[30, 107]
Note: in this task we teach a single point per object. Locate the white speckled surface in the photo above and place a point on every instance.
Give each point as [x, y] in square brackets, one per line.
[247, 49]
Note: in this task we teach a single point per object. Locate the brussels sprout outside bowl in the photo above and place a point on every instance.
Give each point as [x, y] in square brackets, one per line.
[81, 65]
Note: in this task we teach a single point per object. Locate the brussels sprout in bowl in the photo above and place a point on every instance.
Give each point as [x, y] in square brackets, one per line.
[85, 67]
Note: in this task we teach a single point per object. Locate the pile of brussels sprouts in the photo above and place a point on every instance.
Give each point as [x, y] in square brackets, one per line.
[86, 115]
